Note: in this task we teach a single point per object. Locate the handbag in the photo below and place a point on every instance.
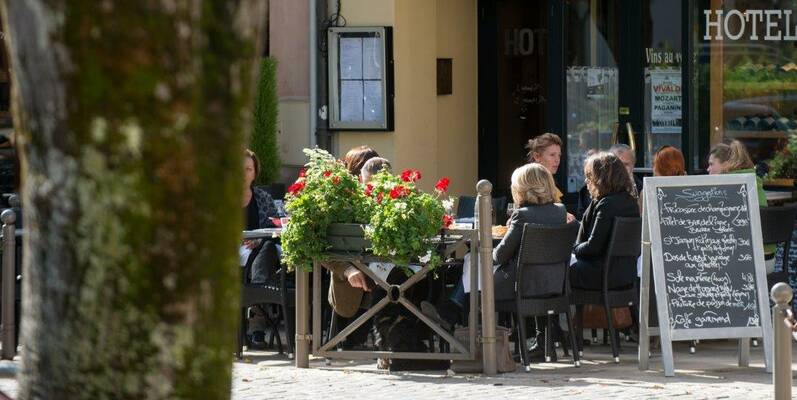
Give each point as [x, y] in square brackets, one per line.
[595, 317]
[503, 357]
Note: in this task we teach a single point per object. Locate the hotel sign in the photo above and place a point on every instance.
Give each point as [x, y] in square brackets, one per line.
[770, 25]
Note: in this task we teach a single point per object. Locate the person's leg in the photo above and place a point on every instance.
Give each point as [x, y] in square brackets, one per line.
[585, 275]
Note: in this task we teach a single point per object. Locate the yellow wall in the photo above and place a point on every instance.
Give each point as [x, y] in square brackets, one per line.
[457, 114]
[435, 134]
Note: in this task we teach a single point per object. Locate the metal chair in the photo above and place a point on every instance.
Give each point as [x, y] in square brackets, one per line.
[625, 241]
[777, 226]
[542, 287]
[275, 290]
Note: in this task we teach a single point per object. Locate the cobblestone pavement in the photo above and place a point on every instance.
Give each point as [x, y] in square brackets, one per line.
[712, 373]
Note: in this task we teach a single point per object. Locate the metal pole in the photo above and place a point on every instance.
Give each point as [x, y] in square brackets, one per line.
[781, 294]
[312, 37]
[9, 217]
[302, 303]
[484, 200]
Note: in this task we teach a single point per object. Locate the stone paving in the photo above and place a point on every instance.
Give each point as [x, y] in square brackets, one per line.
[711, 373]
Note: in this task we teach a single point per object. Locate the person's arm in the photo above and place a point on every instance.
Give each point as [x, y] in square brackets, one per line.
[595, 245]
[511, 241]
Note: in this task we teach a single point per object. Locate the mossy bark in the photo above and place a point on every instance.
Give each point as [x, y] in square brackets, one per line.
[131, 117]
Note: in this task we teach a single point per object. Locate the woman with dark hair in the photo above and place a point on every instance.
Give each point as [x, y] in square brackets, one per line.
[613, 195]
[262, 255]
[356, 158]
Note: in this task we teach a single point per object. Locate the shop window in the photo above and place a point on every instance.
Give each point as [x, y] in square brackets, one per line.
[745, 69]
[361, 78]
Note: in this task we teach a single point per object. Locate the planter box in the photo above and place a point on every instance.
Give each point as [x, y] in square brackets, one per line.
[347, 237]
[785, 182]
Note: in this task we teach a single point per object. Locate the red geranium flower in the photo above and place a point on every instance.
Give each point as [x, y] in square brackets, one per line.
[442, 184]
[410, 175]
[398, 191]
[447, 220]
[302, 173]
[296, 188]
[369, 188]
[379, 198]
[327, 174]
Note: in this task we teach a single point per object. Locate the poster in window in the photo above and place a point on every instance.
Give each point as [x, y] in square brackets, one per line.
[372, 58]
[665, 101]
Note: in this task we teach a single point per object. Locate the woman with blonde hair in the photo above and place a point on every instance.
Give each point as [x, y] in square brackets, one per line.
[534, 191]
[733, 158]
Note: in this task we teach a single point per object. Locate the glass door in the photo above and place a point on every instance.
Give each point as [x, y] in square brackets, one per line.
[622, 79]
[592, 81]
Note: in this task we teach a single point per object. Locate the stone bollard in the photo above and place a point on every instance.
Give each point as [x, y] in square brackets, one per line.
[484, 203]
[781, 295]
[8, 329]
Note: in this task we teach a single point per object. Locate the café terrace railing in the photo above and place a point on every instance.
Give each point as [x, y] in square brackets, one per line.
[307, 342]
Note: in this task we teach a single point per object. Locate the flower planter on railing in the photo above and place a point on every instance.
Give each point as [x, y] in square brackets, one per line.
[347, 237]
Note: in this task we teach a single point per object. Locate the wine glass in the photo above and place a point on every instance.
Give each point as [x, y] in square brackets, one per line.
[510, 209]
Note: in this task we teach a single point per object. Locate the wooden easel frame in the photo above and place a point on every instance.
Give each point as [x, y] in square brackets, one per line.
[652, 251]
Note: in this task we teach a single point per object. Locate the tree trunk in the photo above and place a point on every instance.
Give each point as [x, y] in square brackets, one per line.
[131, 117]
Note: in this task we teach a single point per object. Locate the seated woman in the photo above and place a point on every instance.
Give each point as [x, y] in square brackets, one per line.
[546, 150]
[258, 208]
[733, 158]
[533, 189]
[262, 255]
[613, 195]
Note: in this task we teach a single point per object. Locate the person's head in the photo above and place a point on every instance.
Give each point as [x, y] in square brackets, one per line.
[626, 154]
[533, 184]
[605, 174]
[728, 157]
[356, 157]
[251, 167]
[669, 161]
[546, 149]
[372, 167]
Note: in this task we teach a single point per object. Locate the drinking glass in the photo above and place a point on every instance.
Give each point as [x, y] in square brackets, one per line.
[510, 209]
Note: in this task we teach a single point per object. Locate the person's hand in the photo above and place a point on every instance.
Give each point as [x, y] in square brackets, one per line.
[250, 244]
[357, 279]
[570, 218]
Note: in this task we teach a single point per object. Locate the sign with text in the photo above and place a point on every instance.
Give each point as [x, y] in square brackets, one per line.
[707, 258]
[665, 100]
[733, 24]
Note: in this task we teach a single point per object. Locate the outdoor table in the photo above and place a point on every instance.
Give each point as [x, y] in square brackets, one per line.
[262, 233]
[779, 197]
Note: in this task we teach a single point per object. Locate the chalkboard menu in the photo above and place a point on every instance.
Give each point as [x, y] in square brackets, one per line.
[707, 250]
[701, 241]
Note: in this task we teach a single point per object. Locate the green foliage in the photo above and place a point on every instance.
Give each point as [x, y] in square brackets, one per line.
[403, 219]
[264, 128]
[325, 193]
[784, 164]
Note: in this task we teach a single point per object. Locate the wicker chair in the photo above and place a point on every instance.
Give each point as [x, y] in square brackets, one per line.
[625, 241]
[542, 287]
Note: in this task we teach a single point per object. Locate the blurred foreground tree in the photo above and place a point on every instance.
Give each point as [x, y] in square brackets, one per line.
[131, 118]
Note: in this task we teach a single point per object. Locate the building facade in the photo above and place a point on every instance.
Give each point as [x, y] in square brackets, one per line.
[686, 73]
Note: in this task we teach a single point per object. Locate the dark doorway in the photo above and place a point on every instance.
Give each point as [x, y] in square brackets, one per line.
[581, 69]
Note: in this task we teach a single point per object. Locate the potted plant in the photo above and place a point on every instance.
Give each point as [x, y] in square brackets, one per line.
[263, 141]
[390, 216]
[325, 193]
[783, 167]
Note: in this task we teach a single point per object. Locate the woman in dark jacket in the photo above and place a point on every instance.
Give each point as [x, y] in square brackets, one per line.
[534, 190]
[614, 195]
